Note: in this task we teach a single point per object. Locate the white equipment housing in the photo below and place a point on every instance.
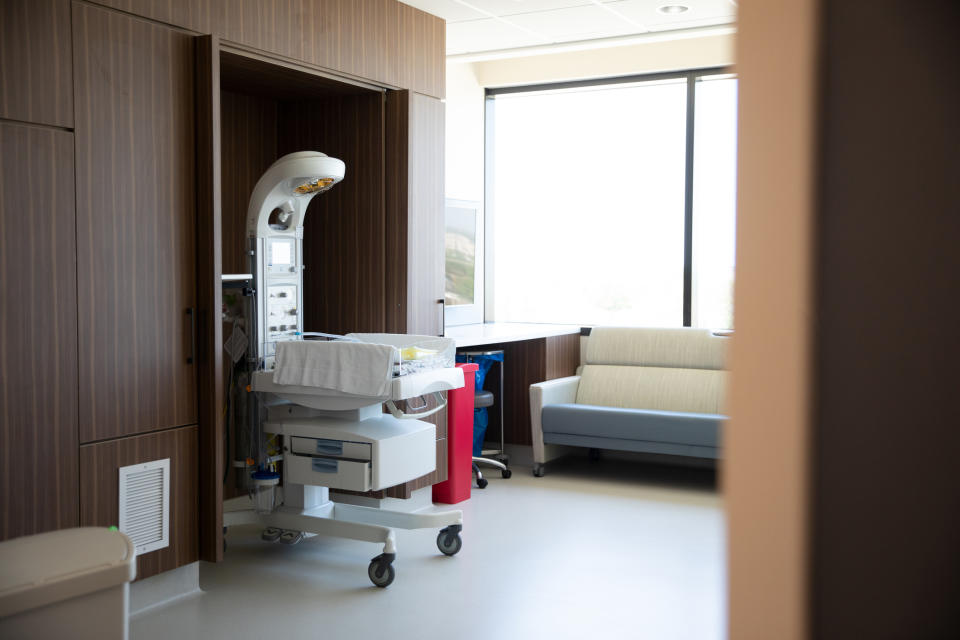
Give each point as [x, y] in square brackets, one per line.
[275, 228]
[331, 439]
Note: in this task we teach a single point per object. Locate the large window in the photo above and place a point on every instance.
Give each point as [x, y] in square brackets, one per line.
[596, 209]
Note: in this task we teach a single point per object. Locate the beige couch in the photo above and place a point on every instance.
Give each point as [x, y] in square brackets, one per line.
[648, 390]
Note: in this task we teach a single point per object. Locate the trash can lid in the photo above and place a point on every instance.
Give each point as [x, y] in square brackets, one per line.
[52, 567]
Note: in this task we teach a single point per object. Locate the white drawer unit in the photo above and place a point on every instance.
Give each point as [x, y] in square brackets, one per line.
[328, 472]
[330, 448]
[378, 452]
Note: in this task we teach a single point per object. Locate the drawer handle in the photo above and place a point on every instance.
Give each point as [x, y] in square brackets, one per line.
[324, 465]
[330, 447]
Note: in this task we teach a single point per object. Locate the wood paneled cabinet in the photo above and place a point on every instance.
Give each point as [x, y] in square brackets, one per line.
[415, 227]
[415, 224]
[35, 62]
[111, 226]
[38, 331]
[384, 41]
[136, 224]
[99, 490]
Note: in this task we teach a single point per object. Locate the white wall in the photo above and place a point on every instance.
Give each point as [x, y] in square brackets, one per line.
[466, 82]
[464, 135]
[644, 57]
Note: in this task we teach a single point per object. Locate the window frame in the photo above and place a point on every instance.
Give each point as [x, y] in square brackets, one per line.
[461, 314]
[489, 213]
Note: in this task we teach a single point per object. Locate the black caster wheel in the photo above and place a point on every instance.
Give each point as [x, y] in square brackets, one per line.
[271, 534]
[482, 483]
[449, 541]
[538, 470]
[506, 473]
[381, 571]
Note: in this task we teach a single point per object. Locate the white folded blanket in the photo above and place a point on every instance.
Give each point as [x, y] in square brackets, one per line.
[359, 368]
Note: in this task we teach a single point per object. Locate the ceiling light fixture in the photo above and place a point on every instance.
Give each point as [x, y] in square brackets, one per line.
[670, 9]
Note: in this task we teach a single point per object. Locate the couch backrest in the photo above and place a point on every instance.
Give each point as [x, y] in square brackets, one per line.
[662, 369]
[684, 348]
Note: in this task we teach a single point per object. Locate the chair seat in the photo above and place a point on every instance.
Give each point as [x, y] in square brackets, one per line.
[483, 398]
[677, 427]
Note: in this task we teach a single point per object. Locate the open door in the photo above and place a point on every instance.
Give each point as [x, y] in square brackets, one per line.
[209, 329]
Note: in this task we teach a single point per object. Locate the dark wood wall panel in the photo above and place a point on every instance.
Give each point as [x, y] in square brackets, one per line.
[884, 505]
[351, 37]
[136, 223]
[99, 490]
[562, 356]
[197, 15]
[38, 332]
[248, 148]
[210, 369]
[35, 62]
[384, 41]
[414, 213]
[344, 229]
[305, 31]
[425, 216]
[422, 44]
[526, 362]
[397, 194]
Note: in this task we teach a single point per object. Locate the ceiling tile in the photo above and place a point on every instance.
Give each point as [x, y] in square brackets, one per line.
[540, 22]
[701, 13]
[449, 10]
[504, 8]
[575, 23]
[486, 35]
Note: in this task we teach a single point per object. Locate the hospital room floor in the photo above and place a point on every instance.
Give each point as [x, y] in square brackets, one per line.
[613, 549]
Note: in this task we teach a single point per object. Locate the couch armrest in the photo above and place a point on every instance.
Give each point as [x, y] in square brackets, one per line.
[559, 391]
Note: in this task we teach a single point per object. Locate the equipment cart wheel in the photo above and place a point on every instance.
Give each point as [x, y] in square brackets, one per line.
[506, 473]
[381, 571]
[449, 541]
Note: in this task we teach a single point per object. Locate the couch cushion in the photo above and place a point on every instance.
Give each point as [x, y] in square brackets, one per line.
[633, 424]
[685, 348]
[658, 388]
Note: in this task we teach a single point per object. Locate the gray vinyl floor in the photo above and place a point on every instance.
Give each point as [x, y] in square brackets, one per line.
[612, 549]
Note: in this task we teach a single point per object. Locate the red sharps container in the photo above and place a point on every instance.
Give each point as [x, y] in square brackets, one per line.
[456, 488]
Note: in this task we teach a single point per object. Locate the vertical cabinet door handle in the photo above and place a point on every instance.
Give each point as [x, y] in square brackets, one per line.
[193, 334]
[443, 316]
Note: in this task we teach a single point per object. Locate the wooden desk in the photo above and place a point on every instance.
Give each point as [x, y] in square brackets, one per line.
[532, 353]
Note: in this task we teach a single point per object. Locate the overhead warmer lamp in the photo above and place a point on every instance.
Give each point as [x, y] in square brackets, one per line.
[280, 199]
[275, 231]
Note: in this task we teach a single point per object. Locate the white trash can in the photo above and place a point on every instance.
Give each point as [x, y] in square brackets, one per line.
[72, 583]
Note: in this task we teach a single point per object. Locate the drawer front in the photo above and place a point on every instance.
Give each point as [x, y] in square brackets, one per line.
[328, 472]
[323, 447]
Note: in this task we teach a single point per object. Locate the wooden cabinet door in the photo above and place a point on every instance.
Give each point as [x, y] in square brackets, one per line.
[414, 213]
[100, 491]
[425, 223]
[38, 332]
[136, 219]
[35, 61]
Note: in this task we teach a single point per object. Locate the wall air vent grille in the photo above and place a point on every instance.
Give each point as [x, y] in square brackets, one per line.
[145, 504]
